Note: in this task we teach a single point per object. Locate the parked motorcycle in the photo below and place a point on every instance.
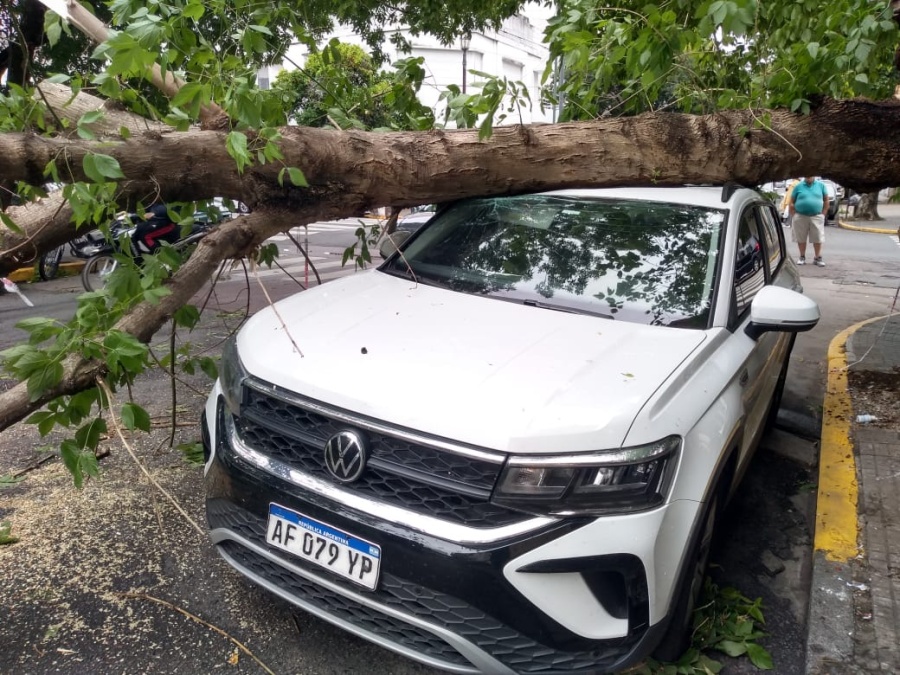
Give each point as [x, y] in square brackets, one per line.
[82, 247]
[104, 261]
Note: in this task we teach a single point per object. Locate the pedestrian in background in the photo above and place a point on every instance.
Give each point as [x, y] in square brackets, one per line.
[809, 204]
[786, 203]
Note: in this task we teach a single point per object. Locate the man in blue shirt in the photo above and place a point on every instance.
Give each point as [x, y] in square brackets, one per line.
[809, 204]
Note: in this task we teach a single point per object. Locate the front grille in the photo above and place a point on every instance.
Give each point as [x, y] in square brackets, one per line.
[414, 476]
[515, 650]
[394, 630]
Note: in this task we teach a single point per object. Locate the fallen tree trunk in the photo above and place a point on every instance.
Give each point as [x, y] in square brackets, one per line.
[852, 142]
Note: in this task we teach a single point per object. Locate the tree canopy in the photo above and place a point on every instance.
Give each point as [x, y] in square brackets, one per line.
[675, 92]
[341, 86]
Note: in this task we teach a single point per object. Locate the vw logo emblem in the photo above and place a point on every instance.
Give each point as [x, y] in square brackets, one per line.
[345, 456]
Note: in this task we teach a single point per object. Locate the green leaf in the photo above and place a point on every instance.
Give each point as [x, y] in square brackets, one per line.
[297, 177]
[191, 96]
[45, 421]
[78, 463]
[91, 117]
[44, 379]
[193, 453]
[236, 145]
[732, 648]
[187, 316]
[135, 417]
[5, 530]
[193, 10]
[10, 223]
[99, 167]
[209, 367]
[88, 436]
[760, 657]
[39, 328]
[8, 480]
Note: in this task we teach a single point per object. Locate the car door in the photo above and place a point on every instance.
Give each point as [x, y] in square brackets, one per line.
[757, 258]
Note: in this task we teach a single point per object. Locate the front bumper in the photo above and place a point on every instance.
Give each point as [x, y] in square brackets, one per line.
[523, 602]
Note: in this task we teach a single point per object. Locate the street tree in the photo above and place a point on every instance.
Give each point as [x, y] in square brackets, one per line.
[342, 87]
[679, 92]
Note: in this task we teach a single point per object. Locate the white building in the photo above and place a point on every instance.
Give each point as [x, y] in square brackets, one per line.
[516, 51]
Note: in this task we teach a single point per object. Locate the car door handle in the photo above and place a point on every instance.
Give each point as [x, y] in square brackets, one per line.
[744, 378]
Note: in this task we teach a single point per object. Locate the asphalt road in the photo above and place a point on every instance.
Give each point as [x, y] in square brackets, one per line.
[85, 586]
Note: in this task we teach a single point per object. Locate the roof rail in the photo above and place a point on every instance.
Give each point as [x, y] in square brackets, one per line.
[729, 189]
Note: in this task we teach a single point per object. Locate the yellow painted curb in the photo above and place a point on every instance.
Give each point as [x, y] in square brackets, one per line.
[874, 230]
[24, 274]
[21, 274]
[837, 521]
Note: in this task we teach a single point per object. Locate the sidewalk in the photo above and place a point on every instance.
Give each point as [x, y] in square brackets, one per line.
[854, 615]
[889, 225]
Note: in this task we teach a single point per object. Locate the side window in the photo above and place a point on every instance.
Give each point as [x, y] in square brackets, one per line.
[773, 241]
[749, 272]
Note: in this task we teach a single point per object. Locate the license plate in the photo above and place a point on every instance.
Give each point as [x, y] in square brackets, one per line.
[347, 556]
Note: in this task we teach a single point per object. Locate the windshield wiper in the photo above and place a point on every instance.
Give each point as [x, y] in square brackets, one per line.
[567, 310]
[406, 272]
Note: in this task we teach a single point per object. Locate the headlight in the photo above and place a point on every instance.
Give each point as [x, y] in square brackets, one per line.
[630, 479]
[231, 375]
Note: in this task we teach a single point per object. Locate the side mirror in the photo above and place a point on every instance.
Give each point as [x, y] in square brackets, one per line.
[392, 242]
[780, 309]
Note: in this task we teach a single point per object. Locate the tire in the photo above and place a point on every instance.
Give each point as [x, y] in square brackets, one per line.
[677, 638]
[96, 270]
[48, 265]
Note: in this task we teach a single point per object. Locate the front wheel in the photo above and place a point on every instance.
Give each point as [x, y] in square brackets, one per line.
[48, 264]
[677, 638]
[97, 270]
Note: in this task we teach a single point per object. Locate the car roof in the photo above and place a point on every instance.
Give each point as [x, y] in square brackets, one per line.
[705, 196]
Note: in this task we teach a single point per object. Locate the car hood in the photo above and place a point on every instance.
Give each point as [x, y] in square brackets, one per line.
[476, 370]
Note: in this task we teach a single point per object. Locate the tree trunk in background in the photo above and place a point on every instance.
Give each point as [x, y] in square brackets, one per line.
[868, 207]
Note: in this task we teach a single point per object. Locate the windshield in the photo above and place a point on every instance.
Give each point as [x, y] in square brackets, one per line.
[638, 261]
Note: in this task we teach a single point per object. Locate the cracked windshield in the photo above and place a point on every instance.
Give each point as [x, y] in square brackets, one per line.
[641, 262]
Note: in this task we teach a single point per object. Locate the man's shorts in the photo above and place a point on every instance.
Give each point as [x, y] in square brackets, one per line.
[812, 227]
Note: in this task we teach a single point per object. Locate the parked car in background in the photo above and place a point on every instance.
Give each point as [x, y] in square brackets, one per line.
[774, 190]
[835, 194]
[577, 381]
[417, 217]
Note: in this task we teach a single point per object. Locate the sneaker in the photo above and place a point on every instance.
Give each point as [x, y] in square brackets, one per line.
[819, 262]
[801, 260]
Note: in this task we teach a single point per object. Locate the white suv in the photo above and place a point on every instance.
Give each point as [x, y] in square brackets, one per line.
[504, 451]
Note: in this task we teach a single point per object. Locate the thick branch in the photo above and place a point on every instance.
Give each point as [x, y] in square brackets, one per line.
[97, 31]
[45, 225]
[71, 107]
[229, 240]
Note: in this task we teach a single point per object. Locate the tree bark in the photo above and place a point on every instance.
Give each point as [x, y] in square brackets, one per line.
[868, 207]
[853, 142]
[64, 105]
